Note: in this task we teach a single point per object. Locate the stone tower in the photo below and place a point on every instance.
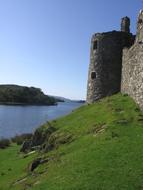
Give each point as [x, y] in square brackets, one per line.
[125, 24]
[104, 76]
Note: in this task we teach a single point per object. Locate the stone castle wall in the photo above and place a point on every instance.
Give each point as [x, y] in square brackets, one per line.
[104, 76]
[116, 63]
[132, 67]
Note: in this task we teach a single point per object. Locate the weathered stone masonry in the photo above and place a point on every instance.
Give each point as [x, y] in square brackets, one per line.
[132, 66]
[116, 63]
[104, 76]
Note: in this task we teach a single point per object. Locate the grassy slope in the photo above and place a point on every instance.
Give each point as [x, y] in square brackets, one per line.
[106, 152]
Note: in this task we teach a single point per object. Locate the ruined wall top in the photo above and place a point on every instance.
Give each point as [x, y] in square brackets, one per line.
[139, 36]
[132, 66]
[125, 24]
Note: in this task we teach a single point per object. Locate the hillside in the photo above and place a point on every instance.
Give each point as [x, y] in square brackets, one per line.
[97, 147]
[14, 94]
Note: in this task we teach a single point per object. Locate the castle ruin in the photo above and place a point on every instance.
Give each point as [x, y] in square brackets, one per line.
[116, 63]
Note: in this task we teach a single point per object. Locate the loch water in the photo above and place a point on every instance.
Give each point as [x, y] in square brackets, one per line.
[15, 120]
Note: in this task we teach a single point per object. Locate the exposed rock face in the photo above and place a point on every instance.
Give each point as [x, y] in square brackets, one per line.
[104, 76]
[132, 71]
[34, 164]
[38, 138]
[56, 139]
[41, 135]
[26, 146]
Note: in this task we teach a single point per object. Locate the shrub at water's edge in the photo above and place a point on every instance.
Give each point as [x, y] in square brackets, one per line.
[18, 139]
[4, 143]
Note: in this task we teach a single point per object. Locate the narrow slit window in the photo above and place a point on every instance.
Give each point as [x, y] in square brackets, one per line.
[93, 75]
[140, 21]
[95, 45]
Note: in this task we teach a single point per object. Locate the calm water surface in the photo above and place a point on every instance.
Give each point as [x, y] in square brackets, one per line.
[24, 119]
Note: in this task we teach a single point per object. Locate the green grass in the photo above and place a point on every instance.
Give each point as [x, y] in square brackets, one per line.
[106, 152]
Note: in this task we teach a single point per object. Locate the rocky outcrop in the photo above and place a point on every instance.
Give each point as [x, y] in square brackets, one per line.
[35, 163]
[39, 137]
[57, 139]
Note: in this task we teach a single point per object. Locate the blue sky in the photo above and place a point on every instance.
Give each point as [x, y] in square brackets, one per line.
[46, 43]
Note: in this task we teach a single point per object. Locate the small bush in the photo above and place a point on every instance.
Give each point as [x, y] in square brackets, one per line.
[137, 109]
[125, 95]
[4, 143]
[19, 139]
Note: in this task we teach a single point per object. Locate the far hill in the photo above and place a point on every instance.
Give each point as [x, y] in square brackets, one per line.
[14, 94]
[62, 99]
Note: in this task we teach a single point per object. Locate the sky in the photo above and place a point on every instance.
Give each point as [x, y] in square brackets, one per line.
[46, 43]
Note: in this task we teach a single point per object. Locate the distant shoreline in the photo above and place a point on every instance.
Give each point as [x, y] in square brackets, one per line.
[25, 104]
